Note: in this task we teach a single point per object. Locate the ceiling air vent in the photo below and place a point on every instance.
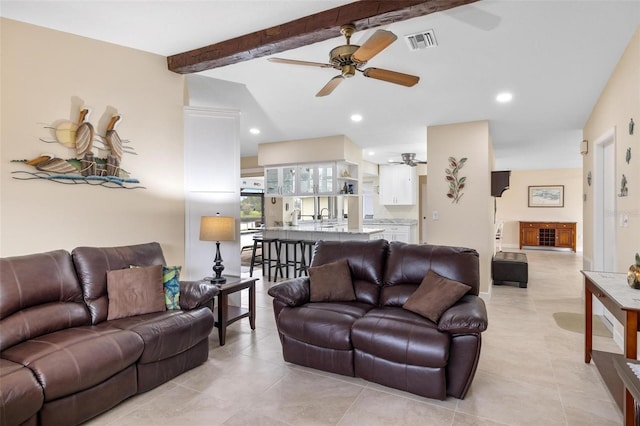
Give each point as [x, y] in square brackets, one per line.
[421, 40]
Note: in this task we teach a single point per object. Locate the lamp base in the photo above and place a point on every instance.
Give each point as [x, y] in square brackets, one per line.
[218, 280]
[218, 267]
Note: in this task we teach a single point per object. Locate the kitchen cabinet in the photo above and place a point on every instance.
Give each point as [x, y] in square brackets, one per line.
[396, 232]
[311, 179]
[548, 234]
[398, 185]
[280, 181]
[317, 179]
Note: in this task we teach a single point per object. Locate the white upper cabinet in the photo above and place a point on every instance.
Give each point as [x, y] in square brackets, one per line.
[312, 179]
[317, 179]
[280, 180]
[398, 185]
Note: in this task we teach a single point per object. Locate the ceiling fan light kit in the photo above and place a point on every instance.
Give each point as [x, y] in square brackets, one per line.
[350, 58]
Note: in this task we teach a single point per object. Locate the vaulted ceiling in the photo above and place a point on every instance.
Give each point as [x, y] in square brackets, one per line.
[554, 57]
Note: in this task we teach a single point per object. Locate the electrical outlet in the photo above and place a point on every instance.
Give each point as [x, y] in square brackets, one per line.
[436, 215]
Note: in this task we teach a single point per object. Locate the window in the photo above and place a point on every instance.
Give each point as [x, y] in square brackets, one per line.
[251, 211]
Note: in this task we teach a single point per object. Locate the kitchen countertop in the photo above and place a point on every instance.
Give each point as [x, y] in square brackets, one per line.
[328, 228]
[390, 221]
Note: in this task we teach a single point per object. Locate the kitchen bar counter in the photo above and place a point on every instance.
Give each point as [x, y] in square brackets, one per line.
[317, 231]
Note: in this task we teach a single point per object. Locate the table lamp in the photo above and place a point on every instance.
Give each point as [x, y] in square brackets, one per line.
[217, 228]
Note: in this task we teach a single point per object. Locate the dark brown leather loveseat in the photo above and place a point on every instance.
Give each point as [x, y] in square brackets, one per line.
[62, 362]
[374, 337]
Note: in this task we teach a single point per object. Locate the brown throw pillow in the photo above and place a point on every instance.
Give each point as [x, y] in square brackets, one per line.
[435, 295]
[135, 291]
[331, 282]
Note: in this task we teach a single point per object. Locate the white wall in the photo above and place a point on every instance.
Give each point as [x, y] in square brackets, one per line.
[212, 166]
[513, 206]
[619, 101]
[469, 223]
[45, 76]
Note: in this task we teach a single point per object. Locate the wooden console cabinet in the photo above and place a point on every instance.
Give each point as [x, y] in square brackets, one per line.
[548, 234]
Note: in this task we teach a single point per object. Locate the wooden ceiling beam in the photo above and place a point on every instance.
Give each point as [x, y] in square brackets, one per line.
[310, 29]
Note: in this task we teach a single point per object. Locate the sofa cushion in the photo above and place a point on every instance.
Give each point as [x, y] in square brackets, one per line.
[20, 393]
[327, 328]
[400, 337]
[435, 295]
[81, 406]
[331, 282]
[135, 291]
[92, 264]
[72, 360]
[168, 333]
[171, 283]
[366, 259]
[39, 294]
[408, 264]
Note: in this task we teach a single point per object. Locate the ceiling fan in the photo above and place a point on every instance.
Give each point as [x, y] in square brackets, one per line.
[408, 158]
[350, 58]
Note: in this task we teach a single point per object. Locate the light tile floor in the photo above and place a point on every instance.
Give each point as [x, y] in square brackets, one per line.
[531, 372]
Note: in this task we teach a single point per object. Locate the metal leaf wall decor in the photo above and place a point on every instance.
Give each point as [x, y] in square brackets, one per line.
[455, 183]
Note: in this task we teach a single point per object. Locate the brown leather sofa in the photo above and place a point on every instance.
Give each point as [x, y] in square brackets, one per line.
[62, 362]
[373, 337]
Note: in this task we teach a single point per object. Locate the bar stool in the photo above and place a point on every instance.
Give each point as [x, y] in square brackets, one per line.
[290, 260]
[265, 259]
[306, 255]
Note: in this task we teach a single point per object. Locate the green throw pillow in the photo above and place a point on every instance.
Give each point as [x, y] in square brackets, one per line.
[171, 283]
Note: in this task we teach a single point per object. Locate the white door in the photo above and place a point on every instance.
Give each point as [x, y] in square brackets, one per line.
[604, 214]
[604, 254]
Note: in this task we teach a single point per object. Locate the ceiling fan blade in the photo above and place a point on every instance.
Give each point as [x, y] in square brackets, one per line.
[294, 62]
[374, 45]
[332, 84]
[391, 76]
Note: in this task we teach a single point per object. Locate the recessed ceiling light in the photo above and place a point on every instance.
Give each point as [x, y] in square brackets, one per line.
[504, 97]
[254, 131]
[371, 153]
[356, 117]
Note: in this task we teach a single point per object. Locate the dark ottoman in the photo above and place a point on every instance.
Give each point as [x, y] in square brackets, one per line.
[509, 267]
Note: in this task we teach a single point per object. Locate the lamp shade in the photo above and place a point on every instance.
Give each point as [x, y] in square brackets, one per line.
[217, 228]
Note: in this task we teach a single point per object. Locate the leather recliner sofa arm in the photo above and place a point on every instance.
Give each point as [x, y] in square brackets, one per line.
[468, 315]
[196, 294]
[294, 292]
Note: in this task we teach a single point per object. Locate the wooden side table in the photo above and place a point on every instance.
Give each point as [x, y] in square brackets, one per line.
[632, 386]
[623, 302]
[225, 314]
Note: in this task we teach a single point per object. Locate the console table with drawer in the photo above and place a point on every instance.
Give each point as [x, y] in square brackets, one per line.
[548, 234]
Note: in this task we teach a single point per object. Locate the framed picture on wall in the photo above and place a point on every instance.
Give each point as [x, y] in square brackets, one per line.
[546, 196]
